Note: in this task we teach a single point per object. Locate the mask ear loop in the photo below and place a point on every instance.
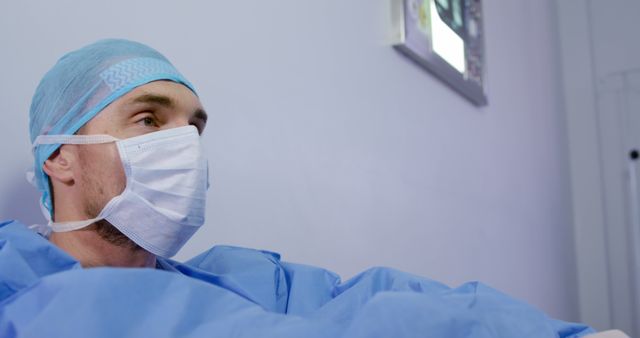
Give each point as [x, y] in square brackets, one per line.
[46, 229]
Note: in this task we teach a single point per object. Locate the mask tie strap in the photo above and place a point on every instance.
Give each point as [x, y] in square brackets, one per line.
[73, 139]
[67, 139]
[70, 226]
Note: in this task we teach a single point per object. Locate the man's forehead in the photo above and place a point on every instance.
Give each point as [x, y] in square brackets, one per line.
[166, 94]
[159, 96]
[161, 92]
[148, 97]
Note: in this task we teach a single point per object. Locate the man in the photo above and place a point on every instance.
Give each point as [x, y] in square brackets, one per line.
[120, 90]
[115, 132]
[84, 178]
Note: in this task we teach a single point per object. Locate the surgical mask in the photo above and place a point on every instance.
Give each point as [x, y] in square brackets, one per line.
[163, 203]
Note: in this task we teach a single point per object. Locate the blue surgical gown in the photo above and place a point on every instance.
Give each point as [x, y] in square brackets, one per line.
[236, 292]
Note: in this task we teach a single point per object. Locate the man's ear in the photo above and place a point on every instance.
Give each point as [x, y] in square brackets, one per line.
[59, 165]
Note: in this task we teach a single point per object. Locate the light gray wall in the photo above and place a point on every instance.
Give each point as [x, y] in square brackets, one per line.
[614, 35]
[331, 148]
[616, 49]
[598, 41]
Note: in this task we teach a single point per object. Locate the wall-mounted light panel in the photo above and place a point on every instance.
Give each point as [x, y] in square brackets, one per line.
[446, 38]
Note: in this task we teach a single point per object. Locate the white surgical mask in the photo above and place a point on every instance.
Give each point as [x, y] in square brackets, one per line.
[164, 200]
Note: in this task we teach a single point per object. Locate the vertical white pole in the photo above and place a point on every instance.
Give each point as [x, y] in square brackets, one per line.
[634, 232]
[628, 130]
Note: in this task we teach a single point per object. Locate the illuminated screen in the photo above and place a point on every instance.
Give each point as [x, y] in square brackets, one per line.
[445, 40]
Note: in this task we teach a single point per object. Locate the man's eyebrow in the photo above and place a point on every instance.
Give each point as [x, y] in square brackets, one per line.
[166, 101]
[154, 98]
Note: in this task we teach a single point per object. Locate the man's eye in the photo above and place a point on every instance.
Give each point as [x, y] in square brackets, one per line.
[148, 121]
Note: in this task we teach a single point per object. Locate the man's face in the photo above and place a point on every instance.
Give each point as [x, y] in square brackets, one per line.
[152, 107]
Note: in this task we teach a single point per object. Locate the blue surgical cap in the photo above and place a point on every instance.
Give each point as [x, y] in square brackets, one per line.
[84, 82]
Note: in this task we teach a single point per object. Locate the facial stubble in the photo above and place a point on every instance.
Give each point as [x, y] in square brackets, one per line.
[97, 194]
